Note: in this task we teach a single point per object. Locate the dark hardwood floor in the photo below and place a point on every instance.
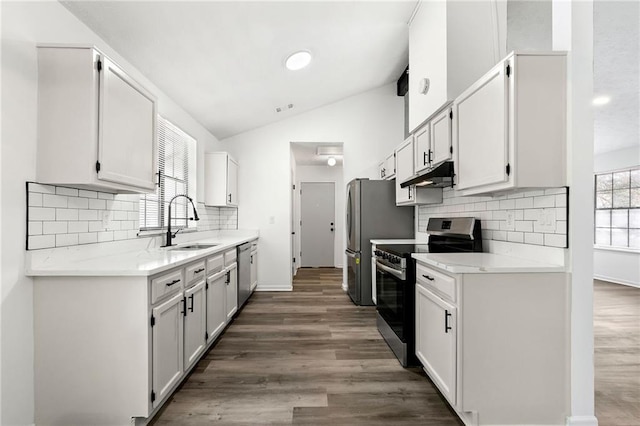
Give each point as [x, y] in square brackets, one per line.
[305, 357]
[617, 354]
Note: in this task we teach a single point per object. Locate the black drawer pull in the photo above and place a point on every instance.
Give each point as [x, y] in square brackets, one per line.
[446, 321]
[428, 277]
[197, 271]
[173, 282]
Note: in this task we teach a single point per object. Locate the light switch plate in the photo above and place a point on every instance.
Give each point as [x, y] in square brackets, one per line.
[546, 221]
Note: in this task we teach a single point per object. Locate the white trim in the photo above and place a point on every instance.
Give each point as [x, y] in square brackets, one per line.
[616, 280]
[582, 421]
[618, 249]
[273, 287]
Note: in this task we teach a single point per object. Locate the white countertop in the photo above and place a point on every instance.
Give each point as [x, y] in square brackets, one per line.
[138, 262]
[478, 263]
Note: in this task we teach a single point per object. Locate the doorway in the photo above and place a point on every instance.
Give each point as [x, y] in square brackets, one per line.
[317, 224]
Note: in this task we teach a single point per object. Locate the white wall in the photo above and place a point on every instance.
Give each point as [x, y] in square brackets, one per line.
[369, 125]
[325, 174]
[24, 24]
[618, 266]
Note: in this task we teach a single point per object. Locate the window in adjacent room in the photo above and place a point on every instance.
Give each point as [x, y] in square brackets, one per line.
[617, 215]
[176, 175]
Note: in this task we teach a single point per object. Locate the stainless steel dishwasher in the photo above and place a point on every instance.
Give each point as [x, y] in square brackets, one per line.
[244, 273]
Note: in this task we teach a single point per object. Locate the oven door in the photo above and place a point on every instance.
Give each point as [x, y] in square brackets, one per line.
[392, 294]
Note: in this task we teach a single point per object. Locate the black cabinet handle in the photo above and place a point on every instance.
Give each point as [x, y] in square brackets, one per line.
[173, 282]
[184, 307]
[191, 307]
[424, 159]
[229, 197]
[197, 271]
[430, 152]
[428, 277]
[409, 188]
[252, 260]
[446, 321]
[228, 279]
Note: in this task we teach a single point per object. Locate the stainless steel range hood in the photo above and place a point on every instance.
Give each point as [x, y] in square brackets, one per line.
[436, 177]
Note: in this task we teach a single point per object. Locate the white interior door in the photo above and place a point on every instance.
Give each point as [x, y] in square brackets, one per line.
[317, 229]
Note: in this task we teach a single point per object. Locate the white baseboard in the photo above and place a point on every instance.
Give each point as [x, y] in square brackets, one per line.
[616, 280]
[582, 421]
[274, 287]
[345, 288]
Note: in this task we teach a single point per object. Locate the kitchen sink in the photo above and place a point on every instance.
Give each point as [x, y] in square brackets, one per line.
[196, 246]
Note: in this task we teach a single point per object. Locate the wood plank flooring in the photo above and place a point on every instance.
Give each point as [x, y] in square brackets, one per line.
[617, 354]
[305, 357]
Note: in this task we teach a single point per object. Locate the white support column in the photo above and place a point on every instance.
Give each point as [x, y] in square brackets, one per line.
[573, 31]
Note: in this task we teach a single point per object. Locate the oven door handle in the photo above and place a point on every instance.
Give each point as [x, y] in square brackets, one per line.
[398, 274]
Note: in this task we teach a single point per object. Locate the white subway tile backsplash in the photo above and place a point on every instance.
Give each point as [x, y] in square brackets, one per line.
[51, 200]
[66, 214]
[96, 204]
[54, 227]
[41, 241]
[61, 216]
[35, 199]
[64, 240]
[87, 214]
[525, 207]
[87, 194]
[61, 190]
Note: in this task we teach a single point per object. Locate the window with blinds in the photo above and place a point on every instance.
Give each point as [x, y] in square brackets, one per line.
[617, 200]
[173, 179]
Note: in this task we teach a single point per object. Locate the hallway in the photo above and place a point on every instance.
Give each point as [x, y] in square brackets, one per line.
[305, 357]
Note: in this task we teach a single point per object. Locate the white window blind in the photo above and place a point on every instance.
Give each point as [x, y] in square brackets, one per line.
[617, 215]
[173, 179]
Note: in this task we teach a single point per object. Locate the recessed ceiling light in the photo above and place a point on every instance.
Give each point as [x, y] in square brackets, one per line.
[298, 60]
[601, 100]
[331, 161]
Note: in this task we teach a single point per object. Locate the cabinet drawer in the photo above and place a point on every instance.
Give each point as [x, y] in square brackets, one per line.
[215, 264]
[443, 284]
[194, 272]
[230, 257]
[166, 284]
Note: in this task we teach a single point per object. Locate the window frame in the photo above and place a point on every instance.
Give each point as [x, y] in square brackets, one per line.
[629, 208]
[180, 207]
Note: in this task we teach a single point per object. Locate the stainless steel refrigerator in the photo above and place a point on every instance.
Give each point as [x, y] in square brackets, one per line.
[371, 214]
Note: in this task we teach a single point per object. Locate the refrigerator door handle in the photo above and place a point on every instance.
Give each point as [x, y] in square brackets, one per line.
[352, 254]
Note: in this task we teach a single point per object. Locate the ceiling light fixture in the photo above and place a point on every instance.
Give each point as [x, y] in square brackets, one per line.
[601, 100]
[298, 60]
[331, 161]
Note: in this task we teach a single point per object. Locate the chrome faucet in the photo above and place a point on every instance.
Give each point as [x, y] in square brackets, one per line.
[170, 235]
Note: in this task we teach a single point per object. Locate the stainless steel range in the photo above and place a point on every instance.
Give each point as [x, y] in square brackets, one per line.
[395, 278]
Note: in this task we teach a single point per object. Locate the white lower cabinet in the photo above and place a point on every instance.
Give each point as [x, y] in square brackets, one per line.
[494, 344]
[195, 324]
[167, 354]
[231, 282]
[216, 304]
[436, 346]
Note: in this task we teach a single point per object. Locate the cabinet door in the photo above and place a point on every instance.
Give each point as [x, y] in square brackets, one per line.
[441, 137]
[216, 289]
[404, 170]
[254, 269]
[390, 166]
[436, 340]
[481, 115]
[422, 143]
[232, 291]
[127, 148]
[232, 183]
[194, 323]
[167, 346]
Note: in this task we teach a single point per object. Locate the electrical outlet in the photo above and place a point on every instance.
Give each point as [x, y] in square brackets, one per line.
[546, 221]
[511, 221]
[272, 220]
[106, 219]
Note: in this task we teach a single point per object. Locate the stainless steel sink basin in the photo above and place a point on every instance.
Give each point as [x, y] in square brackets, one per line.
[196, 246]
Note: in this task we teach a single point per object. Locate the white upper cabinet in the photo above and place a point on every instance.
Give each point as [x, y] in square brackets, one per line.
[510, 126]
[440, 126]
[221, 180]
[387, 168]
[422, 141]
[96, 125]
[451, 44]
[411, 195]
